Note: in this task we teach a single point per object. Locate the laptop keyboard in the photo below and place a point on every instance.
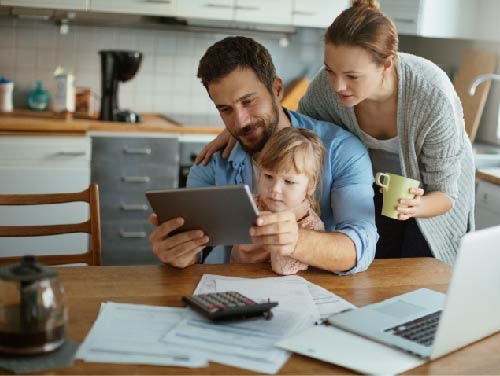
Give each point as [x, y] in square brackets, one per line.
[421, 330]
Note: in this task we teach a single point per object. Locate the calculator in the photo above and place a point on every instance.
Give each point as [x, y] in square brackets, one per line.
[229, 305]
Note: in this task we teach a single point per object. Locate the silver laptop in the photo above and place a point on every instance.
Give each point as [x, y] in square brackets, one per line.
[430, 324]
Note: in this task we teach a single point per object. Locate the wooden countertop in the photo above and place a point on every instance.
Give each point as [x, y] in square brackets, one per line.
[491, 175]
[47, 123]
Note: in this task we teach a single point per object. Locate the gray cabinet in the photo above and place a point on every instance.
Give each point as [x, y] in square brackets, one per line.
[125, 168]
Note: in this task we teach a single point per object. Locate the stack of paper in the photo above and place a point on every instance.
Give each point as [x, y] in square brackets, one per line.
[127, 333]
[131, 333]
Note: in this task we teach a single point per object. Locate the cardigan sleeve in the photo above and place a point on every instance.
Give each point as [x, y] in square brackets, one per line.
[443, 145]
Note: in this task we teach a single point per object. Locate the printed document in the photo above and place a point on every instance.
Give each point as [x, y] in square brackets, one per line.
[131, 333]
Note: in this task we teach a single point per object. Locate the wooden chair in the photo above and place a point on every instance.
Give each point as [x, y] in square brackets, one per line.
[92, 226]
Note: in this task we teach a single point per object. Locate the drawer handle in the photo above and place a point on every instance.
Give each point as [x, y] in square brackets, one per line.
[75, 153]
[404, 20]
[133, 207]
[157, 1]
[217, 6]
[243, 7]
[132, 234]
[135, 151]
[303, 13]
[136, 179]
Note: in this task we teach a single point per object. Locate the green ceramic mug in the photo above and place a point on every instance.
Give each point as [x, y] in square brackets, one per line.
[395, 188]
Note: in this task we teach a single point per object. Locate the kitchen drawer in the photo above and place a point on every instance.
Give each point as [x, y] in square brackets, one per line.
[121, 178]
[124, 206]
[487, 204]
[211, 10]
[134, 150]
[62, 150]
[488, 195]
[263, 11]
[404, 13]
[126, 243]
[146, 7]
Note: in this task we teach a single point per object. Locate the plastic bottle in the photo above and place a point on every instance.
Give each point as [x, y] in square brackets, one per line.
[38, 99]
[6, 89]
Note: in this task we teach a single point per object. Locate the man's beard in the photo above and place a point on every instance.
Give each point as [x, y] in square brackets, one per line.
[268, 126]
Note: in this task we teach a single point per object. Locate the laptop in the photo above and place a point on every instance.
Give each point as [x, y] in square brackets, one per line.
[430, 324]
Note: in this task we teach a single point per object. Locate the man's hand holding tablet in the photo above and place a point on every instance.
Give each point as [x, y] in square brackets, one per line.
[190, 219]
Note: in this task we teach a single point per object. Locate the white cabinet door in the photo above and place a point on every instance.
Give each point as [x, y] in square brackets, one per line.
[448, 19]
[317, 13]
[263, 11]
[487, 204]
[145, 7]
[206, 9]
[51, 4]
[44, 165]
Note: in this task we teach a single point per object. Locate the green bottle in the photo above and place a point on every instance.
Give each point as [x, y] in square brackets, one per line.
[38, 99]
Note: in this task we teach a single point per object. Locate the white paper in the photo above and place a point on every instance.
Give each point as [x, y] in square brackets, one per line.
[326, 302]
[348, 350]
[244, 344]
[290, 295]
[131, 333]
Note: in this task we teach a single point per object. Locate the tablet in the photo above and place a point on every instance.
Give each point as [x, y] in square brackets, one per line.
[224, 213]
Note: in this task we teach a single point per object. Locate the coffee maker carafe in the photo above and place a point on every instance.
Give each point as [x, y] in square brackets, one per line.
[33, 313]
[117, 66]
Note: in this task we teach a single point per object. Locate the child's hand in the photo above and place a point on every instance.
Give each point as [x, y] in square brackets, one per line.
[278, 232]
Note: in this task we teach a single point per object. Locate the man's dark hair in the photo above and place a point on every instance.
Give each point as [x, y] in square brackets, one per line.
[231, 53]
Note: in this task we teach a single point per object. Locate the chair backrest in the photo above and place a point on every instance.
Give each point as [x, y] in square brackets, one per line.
[92, 226]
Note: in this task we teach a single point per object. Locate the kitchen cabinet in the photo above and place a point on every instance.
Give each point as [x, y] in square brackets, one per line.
[487, 204]
[44, 165]
[244, 11]
[124, 168]
[208, 10]
[50, 4]
[143, 7]
[263, 11]
[431, 18]
[317, 13]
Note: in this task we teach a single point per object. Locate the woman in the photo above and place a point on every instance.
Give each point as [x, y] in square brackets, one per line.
[407, 113]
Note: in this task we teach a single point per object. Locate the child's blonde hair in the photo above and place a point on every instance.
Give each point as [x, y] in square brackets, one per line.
[298, 150]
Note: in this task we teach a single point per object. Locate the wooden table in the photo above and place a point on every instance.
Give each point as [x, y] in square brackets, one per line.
[87, 287]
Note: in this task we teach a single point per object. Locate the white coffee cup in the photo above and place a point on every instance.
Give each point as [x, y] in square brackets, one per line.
[6, 89]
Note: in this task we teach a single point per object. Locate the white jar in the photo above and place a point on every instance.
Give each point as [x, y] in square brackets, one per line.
[6, 89]
[64, 98]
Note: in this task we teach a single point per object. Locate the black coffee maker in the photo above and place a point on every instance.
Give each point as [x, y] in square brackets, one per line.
[117, 66]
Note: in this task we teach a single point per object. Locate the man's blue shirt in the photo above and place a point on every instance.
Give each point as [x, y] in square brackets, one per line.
[345, 192]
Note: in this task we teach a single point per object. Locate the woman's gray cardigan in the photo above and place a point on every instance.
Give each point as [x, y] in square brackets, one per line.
[434, 147]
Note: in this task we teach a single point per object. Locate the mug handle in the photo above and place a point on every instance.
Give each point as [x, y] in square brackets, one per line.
[378, 181]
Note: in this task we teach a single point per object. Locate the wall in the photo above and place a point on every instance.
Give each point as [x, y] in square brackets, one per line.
[31, 50]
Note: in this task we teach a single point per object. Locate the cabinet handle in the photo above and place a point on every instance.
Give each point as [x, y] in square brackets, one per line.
[132, 234]
[303, 13]
[217, 6]
[157, 1]
[75, 153]
[141, 151]
[246, 7]
[136, 179]
[133, 207]
[404, 20]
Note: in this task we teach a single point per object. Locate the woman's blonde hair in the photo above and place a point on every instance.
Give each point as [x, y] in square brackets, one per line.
[364, 25]
[298, 150]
